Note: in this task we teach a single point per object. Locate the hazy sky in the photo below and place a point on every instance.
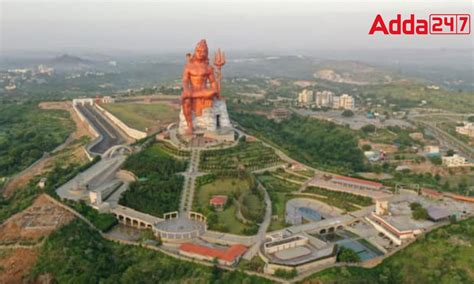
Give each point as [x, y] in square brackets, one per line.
[164, 26]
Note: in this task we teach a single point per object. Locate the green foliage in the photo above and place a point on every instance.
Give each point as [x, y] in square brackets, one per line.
[442, 256]
[347, 255]
[159, 192]
[369, 128]
[436, 160]
[245, 156]
[340, 199]
[77, 254]
[315, 142]
[471, 118]
[102, 221]
[23, 197]
[26, 132]
[287, 274]
[366, 147]
[418, 212]
[347, 113]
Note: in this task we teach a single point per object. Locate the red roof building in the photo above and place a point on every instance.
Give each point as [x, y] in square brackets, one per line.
[229, 256]
[357, 183]
[218, 200]
[431, 193]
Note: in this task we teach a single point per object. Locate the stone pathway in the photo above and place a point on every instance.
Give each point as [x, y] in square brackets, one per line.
[190, 175]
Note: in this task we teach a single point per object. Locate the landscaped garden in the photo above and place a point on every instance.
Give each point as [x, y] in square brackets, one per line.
[158, 188]
[245, 206]
[245, 156]
[343, 200]
[279, 191]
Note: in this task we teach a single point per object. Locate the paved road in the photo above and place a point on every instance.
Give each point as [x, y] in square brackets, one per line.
[111, 136]
[262, 230]
[453, 142]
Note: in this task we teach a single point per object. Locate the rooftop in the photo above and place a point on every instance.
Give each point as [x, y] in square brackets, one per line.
[218, 200]
[359, 181]
[229, 254]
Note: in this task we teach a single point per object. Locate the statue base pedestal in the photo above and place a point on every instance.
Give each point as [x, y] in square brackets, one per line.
[214, 124]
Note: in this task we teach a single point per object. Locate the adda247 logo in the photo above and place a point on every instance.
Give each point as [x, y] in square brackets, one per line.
[457, 24]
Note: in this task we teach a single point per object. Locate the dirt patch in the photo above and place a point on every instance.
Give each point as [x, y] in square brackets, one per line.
[15, 264]
[387, 148]
[34, 223]
[23, 178]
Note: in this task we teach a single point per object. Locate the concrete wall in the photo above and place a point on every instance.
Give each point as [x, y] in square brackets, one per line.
[93, 131]
[133, 133]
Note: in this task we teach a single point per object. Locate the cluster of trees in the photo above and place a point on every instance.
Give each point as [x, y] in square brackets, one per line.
[77, 254]
[159, 188]
[341, 197]
[26, 132]
[347, 255]
[318, 143]
[418, 212]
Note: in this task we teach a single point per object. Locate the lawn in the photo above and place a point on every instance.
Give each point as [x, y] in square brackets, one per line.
[143, 116]
[239, 191]
[445, 255]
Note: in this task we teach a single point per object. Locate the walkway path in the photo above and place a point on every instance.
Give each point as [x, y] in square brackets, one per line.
[190, 175]
[262, 230]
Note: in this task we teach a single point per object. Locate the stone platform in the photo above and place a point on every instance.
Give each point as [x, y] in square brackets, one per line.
[214, 123]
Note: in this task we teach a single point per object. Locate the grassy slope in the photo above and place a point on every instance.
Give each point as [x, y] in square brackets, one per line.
[27, 131]
[76, 254]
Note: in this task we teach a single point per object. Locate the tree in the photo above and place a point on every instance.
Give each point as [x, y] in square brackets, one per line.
[369, 128]
[347, 113]
[366, 147]
[471, 118]
[450, 152]
[347, 255]
[436, 160]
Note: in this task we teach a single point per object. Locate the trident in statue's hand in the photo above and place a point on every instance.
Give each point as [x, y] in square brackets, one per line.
[219, 61]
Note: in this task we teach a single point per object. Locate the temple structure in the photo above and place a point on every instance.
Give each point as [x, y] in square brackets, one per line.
[203, 110]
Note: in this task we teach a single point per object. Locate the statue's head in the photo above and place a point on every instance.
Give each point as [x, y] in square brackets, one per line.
[201, 52]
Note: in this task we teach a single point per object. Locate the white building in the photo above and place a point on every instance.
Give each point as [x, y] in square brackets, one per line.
[455, 161]
[324, 98]
[467, 129]
[306, 97]
[346, 102]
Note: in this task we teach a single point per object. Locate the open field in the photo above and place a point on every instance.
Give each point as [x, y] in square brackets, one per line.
[145, 116]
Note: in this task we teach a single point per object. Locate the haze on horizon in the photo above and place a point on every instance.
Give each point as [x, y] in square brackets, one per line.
[169, 26]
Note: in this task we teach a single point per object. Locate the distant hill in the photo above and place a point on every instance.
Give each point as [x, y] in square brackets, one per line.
[69, 62]
[352, 72]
